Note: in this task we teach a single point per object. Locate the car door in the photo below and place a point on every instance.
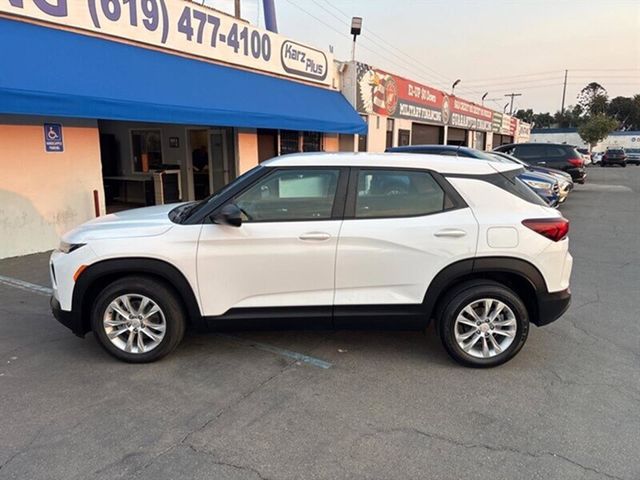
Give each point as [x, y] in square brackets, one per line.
[401, 228]
[283, 254]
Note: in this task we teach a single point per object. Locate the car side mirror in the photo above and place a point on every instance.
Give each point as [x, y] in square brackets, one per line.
[230, 214]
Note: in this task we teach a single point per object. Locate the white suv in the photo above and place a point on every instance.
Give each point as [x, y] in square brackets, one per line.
[326, 241]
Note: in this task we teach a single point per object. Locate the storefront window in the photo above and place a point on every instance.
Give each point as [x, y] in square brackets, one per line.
[311, 142]
[390, 124]
[146, 148]
[289, 142]
[362, 138]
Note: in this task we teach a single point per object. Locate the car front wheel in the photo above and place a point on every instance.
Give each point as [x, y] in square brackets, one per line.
[483, 324]
[138, 319]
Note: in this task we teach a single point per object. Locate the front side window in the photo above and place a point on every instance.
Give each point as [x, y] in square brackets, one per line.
[291, 194]
[398, 193]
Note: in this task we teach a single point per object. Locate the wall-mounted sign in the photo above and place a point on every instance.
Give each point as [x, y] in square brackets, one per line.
[174, 142]
[53, 138]
[379, 92]
[183, 27]
[298, 59]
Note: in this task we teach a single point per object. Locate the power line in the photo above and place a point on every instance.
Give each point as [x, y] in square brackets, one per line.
[343, 34]
[414, 63]
[443, 78]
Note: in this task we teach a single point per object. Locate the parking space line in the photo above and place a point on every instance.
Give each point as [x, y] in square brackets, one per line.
[316, 362]
[21, 284]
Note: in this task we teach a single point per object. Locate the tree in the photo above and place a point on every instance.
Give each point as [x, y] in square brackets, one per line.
[542, 120]
[626, 111]
[571, 117]
[593, 98]
[596, 128]
[525, 115]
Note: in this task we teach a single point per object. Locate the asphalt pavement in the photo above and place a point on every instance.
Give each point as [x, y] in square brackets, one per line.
[333, 405]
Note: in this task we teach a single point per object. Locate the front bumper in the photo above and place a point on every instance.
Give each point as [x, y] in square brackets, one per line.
[552, 306]
[68, 319]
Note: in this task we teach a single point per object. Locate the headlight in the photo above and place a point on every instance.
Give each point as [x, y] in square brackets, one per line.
[538, 185]
[69, 247]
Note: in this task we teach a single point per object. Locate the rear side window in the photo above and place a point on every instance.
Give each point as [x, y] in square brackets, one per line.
[530, 151]
[398, 193]
[560, 152]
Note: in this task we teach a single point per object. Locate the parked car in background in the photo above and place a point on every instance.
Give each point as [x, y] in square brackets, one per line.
[586, 155]
[565, 183]
[596, 157]
[310, 238]
[544, 185]
[614, 156]
[553, 155]
[633, 155]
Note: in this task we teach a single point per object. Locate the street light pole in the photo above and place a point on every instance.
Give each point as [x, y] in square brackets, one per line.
[453, 87]
[483, 97]
[356, 29]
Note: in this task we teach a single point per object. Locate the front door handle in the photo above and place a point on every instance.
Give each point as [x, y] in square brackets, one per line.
[315, 236]
[450, 232]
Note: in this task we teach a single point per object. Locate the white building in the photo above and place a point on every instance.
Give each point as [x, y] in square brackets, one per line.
[570, 136]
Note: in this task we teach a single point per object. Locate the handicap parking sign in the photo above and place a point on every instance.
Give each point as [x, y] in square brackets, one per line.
[53, 137]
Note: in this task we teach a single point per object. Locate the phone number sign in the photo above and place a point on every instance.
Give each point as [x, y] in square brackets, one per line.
[183, 27]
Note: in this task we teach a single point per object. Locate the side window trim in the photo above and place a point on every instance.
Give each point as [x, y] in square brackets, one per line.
[337, 209]
[352, 193]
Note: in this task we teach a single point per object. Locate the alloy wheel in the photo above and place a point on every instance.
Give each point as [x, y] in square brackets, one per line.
[134, 323]
[485, 328]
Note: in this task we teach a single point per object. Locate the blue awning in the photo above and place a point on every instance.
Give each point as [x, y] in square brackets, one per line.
[58, 73]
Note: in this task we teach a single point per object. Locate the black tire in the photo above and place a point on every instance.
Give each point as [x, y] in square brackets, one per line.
[602, 164]
[624, 165]
[464, 295]
[158, 292]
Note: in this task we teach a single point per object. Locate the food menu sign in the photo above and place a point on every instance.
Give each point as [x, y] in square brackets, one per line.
[379, 92]
[182, 26]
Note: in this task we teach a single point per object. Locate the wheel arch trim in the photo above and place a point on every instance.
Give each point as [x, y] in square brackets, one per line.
[132, 266]
[462, 269]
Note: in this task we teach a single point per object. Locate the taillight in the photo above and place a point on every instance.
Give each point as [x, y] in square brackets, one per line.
[553, 228]
[576, 162]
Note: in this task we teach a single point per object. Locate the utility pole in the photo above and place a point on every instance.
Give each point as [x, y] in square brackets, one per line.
[236, 8]
[564, 91]
[512, 95]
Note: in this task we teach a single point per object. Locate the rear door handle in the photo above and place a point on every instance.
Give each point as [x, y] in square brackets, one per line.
[315, 236]
[450, 232]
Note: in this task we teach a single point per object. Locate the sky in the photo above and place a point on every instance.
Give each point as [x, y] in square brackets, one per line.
[498, 46]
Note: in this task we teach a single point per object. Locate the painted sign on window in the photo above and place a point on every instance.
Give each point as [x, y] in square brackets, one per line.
[183, 27]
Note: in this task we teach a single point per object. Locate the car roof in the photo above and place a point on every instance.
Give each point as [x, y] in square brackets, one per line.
[438, 163]
[537, 144]
[460, 150]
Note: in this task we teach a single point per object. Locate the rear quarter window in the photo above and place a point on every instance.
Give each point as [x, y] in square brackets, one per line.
[510, 182]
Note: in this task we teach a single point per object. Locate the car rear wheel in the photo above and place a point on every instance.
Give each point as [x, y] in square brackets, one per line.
[138, 319]
[483, 324]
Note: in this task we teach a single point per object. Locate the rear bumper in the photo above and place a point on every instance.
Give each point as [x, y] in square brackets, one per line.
[552, 306]
[68, 319]
[578, 175]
